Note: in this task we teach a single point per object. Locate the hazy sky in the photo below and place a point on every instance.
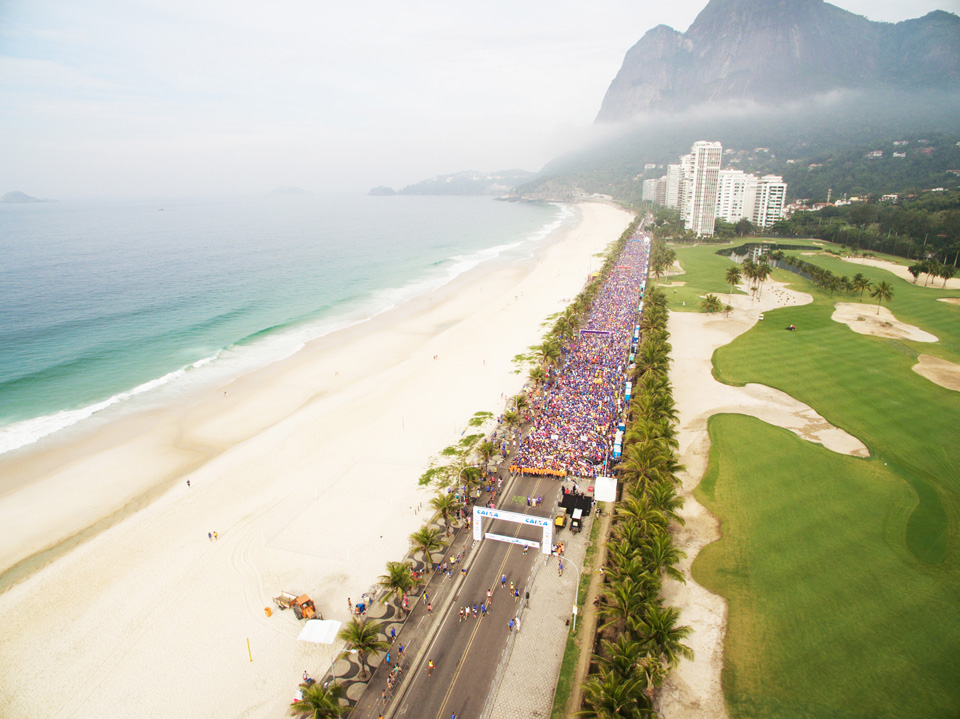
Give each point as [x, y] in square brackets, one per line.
[161, 97]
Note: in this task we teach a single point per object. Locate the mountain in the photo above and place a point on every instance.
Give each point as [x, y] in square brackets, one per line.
[771, 51]
[20, 197]
[468, 183]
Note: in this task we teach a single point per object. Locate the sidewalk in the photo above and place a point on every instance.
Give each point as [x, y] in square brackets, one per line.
[527, 677]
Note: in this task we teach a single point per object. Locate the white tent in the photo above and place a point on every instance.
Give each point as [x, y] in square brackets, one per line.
[605, 489]
[320, 631]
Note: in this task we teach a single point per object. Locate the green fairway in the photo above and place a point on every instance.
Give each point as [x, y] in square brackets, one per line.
[829, 616]
[877, 616]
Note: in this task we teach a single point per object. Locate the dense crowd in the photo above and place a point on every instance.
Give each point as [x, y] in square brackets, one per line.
[576, 414]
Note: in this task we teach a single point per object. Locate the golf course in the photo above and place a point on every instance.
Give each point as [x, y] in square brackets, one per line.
[841, 574]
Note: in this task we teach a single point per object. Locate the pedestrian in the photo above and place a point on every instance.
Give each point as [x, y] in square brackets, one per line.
[399, 653]
[429, 608]
[483, 610]
[430, 667]
[215, 534]
[461, 615]
[489, 598]
[516, 622]
[511, 587]
[503, 580]
[388, 659]
[426, 597]
[350, 605]
[510, 626]
[383, 698]
[516, 596]
[393, 634]
[210, 536]
[560, 567]
[188, 482]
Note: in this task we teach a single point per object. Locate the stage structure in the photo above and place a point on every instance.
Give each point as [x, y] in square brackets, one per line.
[481, 513]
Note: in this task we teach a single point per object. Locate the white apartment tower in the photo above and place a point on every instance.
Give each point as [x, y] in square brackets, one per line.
[770, 200]
[736, 195]
[672, 195]
[699, 186]
[649, 191]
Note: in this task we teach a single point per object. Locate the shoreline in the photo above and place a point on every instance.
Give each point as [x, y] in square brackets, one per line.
[350, 421]
[30, 466]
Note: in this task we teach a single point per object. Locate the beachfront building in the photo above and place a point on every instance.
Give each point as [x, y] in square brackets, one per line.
[736, 195]
[650, 190]
[771, 198]
[699, 186]
[672, 189]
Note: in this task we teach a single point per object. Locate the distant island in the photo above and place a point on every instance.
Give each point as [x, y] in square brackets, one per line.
[17, 197]
[468, 182]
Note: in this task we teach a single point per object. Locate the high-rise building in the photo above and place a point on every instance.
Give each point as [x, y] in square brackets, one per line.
[771, 197]
[736, 195]
[699, 186]
[672, 195]
[661, 198]
[650, 190]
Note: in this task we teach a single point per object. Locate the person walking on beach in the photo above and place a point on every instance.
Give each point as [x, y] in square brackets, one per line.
[215, 534]
[210, 536]
[349, 605]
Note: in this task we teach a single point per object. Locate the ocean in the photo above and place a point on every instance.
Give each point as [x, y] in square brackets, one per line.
[115, 306]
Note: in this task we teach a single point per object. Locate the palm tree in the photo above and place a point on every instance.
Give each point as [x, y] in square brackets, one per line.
[399, 579]
[364, 637]
[860, 284]
[446, 505]
[609, 696]
[622, 600]
[711, 304]
[658, 630]
[663, 497]
[520, 402]
[319, 702]
[427, 540]
[946, 272]
[733, 277]
[485, 451]
[537, 375]
[763, 272]
[663, 555]
[916, 270]
[883, 291]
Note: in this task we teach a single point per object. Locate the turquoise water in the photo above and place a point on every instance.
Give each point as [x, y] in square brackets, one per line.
[127, 304]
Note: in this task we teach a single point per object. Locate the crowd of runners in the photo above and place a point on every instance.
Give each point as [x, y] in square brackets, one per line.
[575, 415]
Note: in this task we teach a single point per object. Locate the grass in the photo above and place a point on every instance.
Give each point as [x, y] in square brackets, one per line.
[829, 615]
[842, 575]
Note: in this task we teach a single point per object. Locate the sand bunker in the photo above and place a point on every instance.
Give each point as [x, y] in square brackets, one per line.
[939, 371]
[901, 272]
[865, 320]
[694, 689]
[950, 300]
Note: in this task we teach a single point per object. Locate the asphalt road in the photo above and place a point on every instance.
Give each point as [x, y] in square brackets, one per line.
[467, 653]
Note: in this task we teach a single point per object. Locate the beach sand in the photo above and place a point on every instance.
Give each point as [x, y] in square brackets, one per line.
[306, 469]
[694, 690]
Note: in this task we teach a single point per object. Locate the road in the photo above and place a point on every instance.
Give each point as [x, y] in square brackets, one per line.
[467, 653]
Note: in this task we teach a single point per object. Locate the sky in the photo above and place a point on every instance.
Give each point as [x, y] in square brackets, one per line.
[159, 98]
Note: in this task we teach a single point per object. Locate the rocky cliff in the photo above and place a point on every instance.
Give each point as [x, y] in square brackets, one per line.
[770, 51]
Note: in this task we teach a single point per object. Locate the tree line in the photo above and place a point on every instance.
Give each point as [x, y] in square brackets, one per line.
[923, 227]
[639, 638]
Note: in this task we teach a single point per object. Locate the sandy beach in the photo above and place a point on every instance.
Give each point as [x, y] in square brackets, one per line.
[307, 470]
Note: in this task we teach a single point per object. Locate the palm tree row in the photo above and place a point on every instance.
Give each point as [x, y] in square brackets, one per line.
[932, 268]
[825, 279]
[638, 638]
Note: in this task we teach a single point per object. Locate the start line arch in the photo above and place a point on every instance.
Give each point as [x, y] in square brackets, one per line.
[481, 513]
